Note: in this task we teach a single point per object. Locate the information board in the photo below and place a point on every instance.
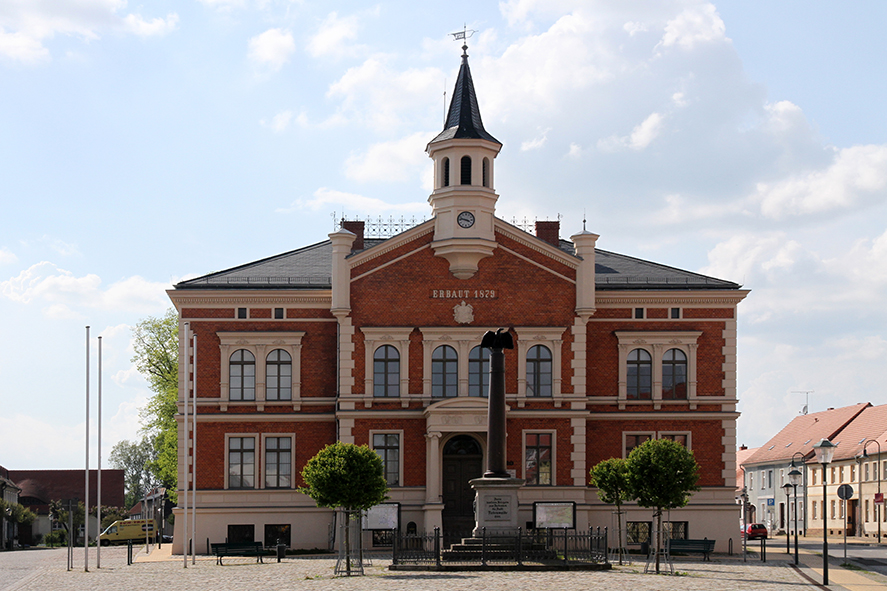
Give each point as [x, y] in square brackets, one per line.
[554, 515]
[384, 516]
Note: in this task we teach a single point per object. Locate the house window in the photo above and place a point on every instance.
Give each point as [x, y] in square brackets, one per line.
[539, 371]
[676, 530]
[479, 371]
[638, 532]
[682, 438]
[278, 462]
[866, 511]
[241, 313]
[386, 372]
[278, 534]
[241, 462]
[675, 313]
[446, 172]
[279, 375]
[834, 471]
[538, 459]
[632, 440]
[638, 313]
[763, 481]
[466, 171]
[387, 445]
[278, 313]
[751, 480]
[815, 514]
[444, 372]
[486, 172]
[241, 533]
[674, 375]
[812, 475]
[242, 376]
[640, 375]
[866, 471]
[852, 473]
[832, 512]
[769, 478]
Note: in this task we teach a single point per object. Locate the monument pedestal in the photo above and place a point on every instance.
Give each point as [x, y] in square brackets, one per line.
[495, 504]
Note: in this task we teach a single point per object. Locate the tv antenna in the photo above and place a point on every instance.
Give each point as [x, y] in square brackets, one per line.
[806, 408]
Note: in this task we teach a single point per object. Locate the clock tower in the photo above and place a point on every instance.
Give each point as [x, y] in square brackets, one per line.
[463, 201]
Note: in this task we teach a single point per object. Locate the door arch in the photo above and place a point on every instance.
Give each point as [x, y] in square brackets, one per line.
[462, 462]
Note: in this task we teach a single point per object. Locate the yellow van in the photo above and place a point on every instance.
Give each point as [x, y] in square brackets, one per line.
[128, 529]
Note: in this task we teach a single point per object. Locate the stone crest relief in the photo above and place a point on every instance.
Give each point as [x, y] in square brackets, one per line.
[463, 313]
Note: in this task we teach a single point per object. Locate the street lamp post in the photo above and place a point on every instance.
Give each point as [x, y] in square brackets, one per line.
[865, 454]
[824, 450]
[795, 478]
[744, 497]
[788, 535]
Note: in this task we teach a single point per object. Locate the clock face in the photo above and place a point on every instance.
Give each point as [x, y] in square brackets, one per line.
[466, 219]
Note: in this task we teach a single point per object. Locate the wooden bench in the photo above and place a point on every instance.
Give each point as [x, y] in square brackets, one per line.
[238, 549]
[704, 547]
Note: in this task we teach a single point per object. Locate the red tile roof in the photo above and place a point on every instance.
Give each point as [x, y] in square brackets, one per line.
[871, 423]
[741, 456]
[803, 432]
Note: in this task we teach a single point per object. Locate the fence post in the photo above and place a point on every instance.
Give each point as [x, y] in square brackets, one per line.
[437, 546]
[606, 544]
[520, 550]
[393, 546]
[566, 543]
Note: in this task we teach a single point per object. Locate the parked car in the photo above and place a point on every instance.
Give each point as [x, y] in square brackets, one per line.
[755, 531]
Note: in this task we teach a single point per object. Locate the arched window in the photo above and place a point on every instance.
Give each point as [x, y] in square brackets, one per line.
[466, 170]
[242, 376]
[486, 172]
[446, 172]
[386, 372]
[479, 372]
[444, 372]
[640, 375]
[674, 375]
[279, 375]
[539, 371]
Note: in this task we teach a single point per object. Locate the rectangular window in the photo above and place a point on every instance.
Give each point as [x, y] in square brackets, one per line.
[815, 514]
[833, 474]
[278, 462]
[681, 438]
[812, 476]
[840, 509]
[538, 459]
[638, 532]
[751, 480]
[241, 534]
[866, 471]
[638, 312]
[676, 530]
[635, 439]
[852, 473]
[763, 480]
[866, 511]
[675, 313]
[832, 512]
[241, 312]
[387, 445]
[769, 478]
[278, 534]
[241, 462]
[278, 313]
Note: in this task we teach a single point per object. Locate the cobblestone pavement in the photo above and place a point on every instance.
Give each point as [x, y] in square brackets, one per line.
[45, 570]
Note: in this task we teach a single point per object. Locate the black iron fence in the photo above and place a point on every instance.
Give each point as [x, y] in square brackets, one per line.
[534, 547]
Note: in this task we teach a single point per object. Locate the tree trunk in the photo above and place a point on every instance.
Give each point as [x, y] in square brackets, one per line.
[658, 536]
[619, 530]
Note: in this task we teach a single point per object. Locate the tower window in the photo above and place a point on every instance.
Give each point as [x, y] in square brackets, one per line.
[466, 170]
[446, 172]
[486, 172]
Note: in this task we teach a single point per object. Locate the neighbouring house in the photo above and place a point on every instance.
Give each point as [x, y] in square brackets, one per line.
[40, 487]
[373, 338]
[9, 493]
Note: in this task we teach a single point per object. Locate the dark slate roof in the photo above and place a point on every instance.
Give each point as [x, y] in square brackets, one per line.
[39, 487]
[311, 267]
[463, 119]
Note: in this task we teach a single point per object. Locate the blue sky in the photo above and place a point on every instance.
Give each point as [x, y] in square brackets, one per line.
[143, 143]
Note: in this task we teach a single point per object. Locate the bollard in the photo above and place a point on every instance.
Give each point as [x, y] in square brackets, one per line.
[281, 550]
[763, 550]
[128, 552]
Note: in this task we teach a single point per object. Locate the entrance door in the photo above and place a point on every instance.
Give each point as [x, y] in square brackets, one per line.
[462, 461]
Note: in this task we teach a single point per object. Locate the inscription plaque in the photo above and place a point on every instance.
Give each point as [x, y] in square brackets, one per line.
[497, 508]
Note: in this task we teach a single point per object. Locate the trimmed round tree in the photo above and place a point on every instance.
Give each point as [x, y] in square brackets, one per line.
[348, 477]
[662, 474]
[611, 479]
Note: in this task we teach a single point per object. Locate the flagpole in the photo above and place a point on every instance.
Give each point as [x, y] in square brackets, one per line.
[98, 511]
[194, 454]
[86, 485]
[185, 384]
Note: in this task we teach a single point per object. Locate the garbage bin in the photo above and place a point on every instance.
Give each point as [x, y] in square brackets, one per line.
[281, 550]
[645, 548]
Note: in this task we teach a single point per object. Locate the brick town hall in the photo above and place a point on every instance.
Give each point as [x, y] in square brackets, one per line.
[376, 341]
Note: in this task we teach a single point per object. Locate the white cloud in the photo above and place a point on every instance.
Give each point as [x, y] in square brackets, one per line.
[695, 25]
[397, 160]
[272, 49]
[335, 36]
[575, 151]
[135, 23]
[325, 198]
[641, 136]
[7, 257]
[856, 176]
[26, 24]
[63, 293]
[279, 122]
[536, 142]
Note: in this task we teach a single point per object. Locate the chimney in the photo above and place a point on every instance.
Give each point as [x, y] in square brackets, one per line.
[743, 447]
[356, 228]
[549, 232]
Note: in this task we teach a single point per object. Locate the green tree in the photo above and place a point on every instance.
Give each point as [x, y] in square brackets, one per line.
[14, 513]
[611, 479]
[60, 513]
[156, 346]
[348, 477]
[661, 475]
[135, 460]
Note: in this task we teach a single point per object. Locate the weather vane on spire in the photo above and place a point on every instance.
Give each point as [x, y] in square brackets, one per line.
[465, 35]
